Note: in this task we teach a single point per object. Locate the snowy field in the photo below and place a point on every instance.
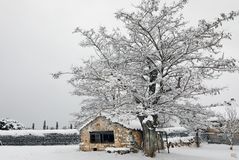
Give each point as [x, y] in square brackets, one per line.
[206, 152]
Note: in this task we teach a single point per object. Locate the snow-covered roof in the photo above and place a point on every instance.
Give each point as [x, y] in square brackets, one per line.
[127, 121]
[172, 129]
[211, 119]
[180, 139]
[17, 133]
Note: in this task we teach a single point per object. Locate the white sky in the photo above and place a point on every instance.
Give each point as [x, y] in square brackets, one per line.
[36, 39]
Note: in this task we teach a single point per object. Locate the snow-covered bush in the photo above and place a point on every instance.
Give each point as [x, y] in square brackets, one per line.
[9, 124]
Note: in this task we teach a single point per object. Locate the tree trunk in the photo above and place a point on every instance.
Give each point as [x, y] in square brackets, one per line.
[149, 137]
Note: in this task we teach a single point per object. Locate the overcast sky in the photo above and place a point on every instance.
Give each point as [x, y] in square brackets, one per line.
[36, 39]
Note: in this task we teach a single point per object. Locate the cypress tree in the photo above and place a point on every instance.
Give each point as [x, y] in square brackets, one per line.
[44, 125]
[57, 126]
[33, 126]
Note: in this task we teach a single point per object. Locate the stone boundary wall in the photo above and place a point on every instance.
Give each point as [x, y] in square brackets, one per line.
[47, 139]
[220, 138]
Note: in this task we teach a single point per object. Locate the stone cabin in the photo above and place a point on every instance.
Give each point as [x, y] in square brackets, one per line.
[102, 132]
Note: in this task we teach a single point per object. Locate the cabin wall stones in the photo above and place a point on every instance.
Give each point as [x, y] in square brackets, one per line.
[122, 135]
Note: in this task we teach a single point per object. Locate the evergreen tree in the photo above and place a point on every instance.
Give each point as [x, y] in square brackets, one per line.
[33, 126]
[57, 125]
[44, 125]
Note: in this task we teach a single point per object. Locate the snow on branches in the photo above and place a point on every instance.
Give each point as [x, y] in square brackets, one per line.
[155, 64]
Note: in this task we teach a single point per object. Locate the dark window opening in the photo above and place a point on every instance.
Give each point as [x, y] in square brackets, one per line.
[102, 137]
[95, 138]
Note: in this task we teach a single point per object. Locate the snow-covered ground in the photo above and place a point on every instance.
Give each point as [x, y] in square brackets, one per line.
[206, 152]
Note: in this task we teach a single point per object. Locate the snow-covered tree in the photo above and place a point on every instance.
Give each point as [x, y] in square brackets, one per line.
[154, 65]
[230, 121]
[9, 124]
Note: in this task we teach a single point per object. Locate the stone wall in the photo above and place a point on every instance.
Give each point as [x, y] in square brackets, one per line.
[47, 139]
[221, 138]
[121, 135]
[215, 136]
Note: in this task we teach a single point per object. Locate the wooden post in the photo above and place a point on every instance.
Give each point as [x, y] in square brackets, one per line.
[197, 138]
[167, 141]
